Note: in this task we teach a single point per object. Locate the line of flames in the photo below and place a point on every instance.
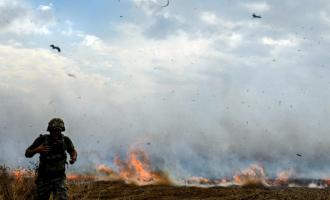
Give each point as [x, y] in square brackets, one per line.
[136, 169]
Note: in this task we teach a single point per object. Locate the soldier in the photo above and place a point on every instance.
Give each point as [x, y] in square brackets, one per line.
[52, 160]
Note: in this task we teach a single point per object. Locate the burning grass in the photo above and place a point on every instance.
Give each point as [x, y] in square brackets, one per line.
[121, 190]
[134, 178]
[16, 184]
[135, 169]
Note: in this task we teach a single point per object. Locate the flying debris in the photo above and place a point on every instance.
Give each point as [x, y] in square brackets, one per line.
[256, 16]
[55, 47]
[298, 154]
[72, 75]
[167, 4]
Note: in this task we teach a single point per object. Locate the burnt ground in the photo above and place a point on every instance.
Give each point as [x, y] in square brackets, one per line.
[120, 190]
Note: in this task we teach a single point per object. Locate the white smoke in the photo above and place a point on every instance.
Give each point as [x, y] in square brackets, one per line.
[206, 104]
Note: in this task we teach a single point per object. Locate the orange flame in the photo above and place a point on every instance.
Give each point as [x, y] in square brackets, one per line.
[20, 174]
[104, 169]
[141, 168]
[254, 175]
[80, 177]
[135, 169]
[283, 177]
[327, 181]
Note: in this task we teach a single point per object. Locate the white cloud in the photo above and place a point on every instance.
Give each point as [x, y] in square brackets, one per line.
[26, 27]
[152, 7]
[94, 43]
[69, 31]
[234, 39]
[24, 69]
[278, 42]
[147, 6]
[325, 17]
[32, 60]
[15, 43]
[45, 7]
[209, 18]
[21, 19]
[145, 52]
[257, 6]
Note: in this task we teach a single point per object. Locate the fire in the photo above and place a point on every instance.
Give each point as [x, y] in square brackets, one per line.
[105, 169]
[139, 167]
[254, 175]
[200, 180]
[80, 177]
[207, 182]
[283, 177]
[110, 173]
[135, 169]
[327, 181]
[20, 174]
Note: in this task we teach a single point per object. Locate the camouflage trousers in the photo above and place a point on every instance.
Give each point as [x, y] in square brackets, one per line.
[46, 186]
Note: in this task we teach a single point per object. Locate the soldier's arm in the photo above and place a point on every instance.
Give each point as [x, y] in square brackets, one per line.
[71, 150]
[36, 147]
[73, 156]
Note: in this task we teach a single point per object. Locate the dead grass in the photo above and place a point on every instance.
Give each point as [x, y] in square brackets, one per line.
[6, 189]
[13, 188]
[22, 189]
[120, 191]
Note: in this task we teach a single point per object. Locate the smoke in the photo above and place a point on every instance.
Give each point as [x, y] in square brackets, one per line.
[200, 129]
[206, 109]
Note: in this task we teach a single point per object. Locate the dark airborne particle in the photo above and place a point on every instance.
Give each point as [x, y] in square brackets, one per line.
[256, 16]
[55, 47]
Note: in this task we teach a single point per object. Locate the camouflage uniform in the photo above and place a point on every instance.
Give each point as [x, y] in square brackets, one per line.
[51, 171]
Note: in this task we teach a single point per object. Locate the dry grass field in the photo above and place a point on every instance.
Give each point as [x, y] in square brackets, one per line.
[120, 190]
[17, 189]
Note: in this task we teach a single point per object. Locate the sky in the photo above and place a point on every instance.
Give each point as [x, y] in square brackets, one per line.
[210, 88]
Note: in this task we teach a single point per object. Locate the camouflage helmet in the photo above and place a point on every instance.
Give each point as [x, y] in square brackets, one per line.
[56, 123]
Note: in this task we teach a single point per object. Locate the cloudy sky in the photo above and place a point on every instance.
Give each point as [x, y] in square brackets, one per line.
[203, 87]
